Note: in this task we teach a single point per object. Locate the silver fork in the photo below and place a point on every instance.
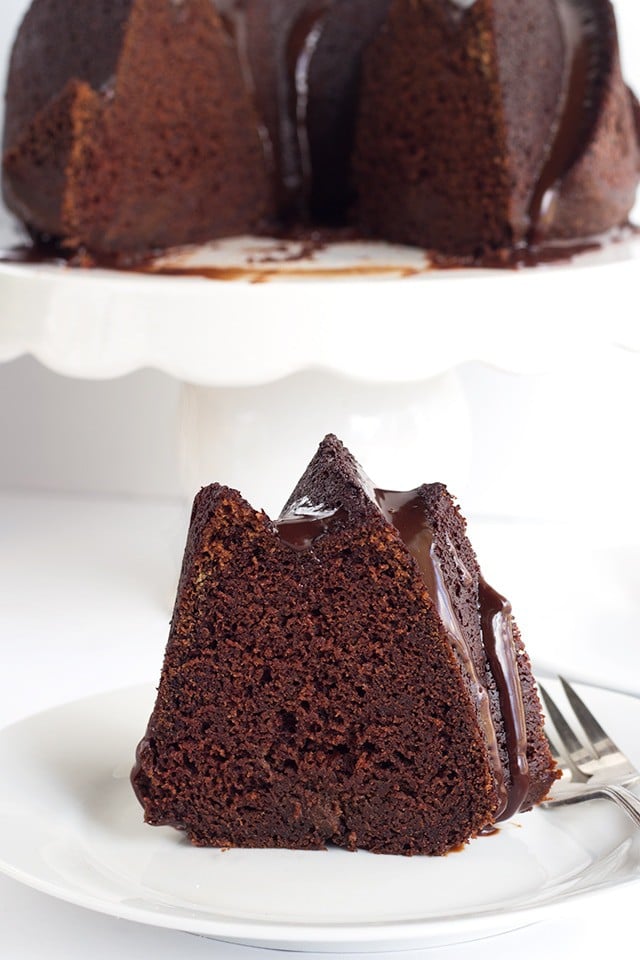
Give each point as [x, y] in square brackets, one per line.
[592, 766]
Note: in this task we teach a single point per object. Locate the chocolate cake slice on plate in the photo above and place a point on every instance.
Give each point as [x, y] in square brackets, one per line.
[343, 675]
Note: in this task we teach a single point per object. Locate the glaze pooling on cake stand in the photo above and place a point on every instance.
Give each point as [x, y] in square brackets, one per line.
[369, 311]
[99, 323]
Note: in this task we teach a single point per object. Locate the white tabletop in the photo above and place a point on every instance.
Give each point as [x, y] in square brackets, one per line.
[86, 598]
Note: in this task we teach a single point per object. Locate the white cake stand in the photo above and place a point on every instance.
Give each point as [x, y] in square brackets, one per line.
[359, 339]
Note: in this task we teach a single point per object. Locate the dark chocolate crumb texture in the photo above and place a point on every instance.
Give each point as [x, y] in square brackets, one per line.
[342, 675]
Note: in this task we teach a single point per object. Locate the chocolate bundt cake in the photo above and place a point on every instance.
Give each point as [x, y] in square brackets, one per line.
[467, 127]
[344, 675]
[526, 134]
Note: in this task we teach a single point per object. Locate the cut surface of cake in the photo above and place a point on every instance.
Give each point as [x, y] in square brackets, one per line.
[343, 675]
[129, 127]
[467, 127]
[521, 110]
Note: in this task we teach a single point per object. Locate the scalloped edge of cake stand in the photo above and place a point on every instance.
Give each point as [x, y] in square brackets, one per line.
[371, 312]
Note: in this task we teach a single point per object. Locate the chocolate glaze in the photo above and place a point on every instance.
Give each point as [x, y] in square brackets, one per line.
[259, 269]
[303, 42]
[48, 251]
[233, 15]
[301, 530]
[497, 637]
[407, 513]
[490, 831]
[304, 524]
[36, 254]
[581, 38]
[304, 34]
[262, 275]
[539, 254]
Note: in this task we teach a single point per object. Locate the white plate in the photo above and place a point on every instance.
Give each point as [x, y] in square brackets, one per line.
[70, 826]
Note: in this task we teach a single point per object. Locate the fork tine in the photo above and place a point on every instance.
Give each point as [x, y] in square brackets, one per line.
[577, 753]
[559, 750]
[598, 739]
[599, 765]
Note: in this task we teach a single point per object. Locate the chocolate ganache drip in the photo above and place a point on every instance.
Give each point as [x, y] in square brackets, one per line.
[233, 14]
[304, 523]
[585, 45]
[406, 511]
[408, 514]
[499, 644]
[304, 38]
[285, 140]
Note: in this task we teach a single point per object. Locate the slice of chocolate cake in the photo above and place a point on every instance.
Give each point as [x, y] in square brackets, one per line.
[130, 127]
[343, 675]
[494, 125]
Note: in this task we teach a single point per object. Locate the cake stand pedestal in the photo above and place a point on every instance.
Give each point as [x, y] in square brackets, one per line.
[259, 439]
[362, 340]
